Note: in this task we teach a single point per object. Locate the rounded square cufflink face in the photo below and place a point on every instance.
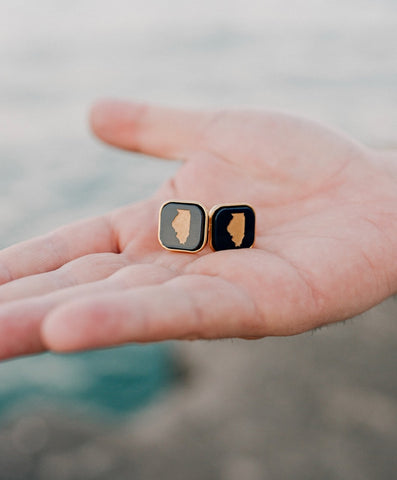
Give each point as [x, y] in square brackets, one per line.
[183, 226]
[232, 227]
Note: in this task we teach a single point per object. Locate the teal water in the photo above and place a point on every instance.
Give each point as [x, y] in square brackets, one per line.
[108, 383]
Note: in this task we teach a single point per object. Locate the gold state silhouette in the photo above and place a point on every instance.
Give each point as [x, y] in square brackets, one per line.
[181, 225]
[236, 228]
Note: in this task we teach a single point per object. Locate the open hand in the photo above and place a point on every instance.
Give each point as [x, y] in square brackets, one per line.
[325, 249]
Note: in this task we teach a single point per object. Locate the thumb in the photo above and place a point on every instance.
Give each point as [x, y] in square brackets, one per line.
[149, 129]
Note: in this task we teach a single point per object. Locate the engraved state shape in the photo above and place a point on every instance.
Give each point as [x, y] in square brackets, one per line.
[236, 228]
[232, 227]
[181, 225]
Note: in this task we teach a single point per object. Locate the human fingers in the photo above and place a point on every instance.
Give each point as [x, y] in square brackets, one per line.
[50, 251]
[186, 307]
[89, 268]
[20, 320]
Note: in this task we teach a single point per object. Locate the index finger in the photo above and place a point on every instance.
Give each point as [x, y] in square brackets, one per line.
[185, 307]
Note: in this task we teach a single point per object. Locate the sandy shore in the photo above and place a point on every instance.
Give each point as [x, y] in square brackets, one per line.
[321, 405]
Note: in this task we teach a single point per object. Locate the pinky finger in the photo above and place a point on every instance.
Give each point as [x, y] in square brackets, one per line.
[187, 307]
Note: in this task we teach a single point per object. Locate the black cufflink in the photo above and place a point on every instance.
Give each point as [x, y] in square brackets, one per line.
[183, 226]
[231, 227]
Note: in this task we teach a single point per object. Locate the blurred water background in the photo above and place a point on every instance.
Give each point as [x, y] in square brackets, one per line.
[332, 61]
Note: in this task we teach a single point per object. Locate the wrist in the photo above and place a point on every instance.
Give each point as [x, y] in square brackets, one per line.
[388, 159]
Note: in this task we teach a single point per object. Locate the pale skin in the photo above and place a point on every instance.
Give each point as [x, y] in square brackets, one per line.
[325, 249]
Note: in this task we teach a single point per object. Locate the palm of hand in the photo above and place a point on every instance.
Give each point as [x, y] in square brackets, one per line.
[322, 253]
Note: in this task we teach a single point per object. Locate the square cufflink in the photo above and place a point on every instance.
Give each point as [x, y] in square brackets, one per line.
[231, 227]
[183, 226]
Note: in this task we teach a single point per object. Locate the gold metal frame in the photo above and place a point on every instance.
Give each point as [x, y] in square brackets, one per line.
[215, 208]
[205, 239]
